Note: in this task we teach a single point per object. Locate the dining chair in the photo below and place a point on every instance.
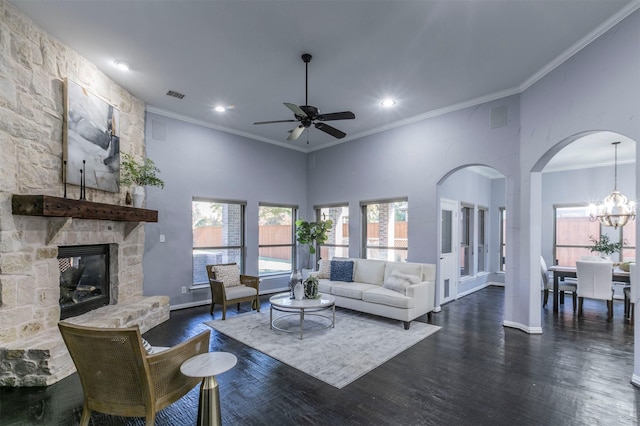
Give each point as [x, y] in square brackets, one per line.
[630, 294]
[563, 286]
[595, 282]
[593, 259]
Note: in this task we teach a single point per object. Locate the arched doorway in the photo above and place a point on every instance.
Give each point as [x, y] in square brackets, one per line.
[575, 172]
[471, 201]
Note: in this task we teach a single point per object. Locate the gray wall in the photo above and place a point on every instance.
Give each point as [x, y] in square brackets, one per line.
[596, 89]
[410, 161]
[196, 161]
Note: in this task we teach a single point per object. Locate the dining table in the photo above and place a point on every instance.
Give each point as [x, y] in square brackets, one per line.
[561, 272]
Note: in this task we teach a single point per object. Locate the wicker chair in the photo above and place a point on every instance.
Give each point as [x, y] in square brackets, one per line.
[118, 376]
[229, 286]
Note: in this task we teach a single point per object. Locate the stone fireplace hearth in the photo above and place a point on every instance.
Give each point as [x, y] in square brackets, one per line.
[31, 350]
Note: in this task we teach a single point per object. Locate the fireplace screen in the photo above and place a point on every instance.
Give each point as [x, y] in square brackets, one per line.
[84, 279]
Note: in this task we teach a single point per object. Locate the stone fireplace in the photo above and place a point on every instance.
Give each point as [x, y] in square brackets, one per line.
[35, 66]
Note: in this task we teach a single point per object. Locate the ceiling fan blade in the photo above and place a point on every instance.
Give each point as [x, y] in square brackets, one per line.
[330, 130]
[311, 111]
[295, 133]
[275, 121]
[296, 109]
[344, 115]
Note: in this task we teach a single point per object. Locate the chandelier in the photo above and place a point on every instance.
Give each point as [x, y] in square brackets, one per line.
[616, 209]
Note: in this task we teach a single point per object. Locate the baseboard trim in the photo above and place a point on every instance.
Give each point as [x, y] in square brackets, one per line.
[473, 290]
[635, 380]
[526, 329]
[190, 305]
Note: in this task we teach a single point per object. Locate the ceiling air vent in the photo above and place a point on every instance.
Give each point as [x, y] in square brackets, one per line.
[175, 94]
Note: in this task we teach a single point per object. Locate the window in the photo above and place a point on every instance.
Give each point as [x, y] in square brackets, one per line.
[276, 239]
[218, 235]
[337, 243]
[385, 230]
[629, 241]
[503, 241]
[572, 231]
[466, 232]
[482, 248]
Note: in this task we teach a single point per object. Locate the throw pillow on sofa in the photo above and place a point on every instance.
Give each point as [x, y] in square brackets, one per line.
[324, 269]
[399, 282]
[341, 270]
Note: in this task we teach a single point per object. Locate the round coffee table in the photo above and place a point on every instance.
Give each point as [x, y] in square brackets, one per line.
[282, 302]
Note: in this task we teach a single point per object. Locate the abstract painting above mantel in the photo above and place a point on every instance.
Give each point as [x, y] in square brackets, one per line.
[92, 135]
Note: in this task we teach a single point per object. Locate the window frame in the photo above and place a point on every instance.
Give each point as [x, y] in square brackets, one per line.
[556, 207]
[318, 209]
[365, 238]
[481, 243]
[242, 247]
[466, 237]
[292, 245]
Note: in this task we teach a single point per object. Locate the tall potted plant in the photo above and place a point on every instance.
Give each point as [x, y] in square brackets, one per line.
[138, 175]
[312, 233]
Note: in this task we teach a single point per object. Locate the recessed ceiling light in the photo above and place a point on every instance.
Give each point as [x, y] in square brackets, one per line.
[219, 108]
[121, 65]
[388, 103]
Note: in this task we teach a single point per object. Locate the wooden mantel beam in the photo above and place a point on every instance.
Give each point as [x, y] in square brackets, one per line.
[49, 206]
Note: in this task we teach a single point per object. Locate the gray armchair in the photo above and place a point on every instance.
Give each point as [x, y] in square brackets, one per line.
[229, 286]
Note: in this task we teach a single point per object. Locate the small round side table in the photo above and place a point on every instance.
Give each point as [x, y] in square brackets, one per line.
[207, 366]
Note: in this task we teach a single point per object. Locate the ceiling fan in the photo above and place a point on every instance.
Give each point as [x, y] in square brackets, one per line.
[308, 115]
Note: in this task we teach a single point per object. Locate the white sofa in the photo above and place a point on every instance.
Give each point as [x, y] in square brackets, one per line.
[370, 291]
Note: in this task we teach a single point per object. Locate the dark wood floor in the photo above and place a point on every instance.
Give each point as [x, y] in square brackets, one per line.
[472, 372]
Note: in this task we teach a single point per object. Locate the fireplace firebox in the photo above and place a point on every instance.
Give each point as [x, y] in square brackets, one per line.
[84, 278]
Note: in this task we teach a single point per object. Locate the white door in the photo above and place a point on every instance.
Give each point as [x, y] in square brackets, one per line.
[448, 250]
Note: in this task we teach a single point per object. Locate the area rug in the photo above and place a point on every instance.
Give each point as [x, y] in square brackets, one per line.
[337, 356]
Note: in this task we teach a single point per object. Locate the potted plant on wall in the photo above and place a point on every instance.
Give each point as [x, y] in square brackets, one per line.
[137, 176]
[312, 233]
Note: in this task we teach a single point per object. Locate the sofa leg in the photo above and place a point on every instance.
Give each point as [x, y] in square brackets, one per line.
[429, 316]
[407, 324]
